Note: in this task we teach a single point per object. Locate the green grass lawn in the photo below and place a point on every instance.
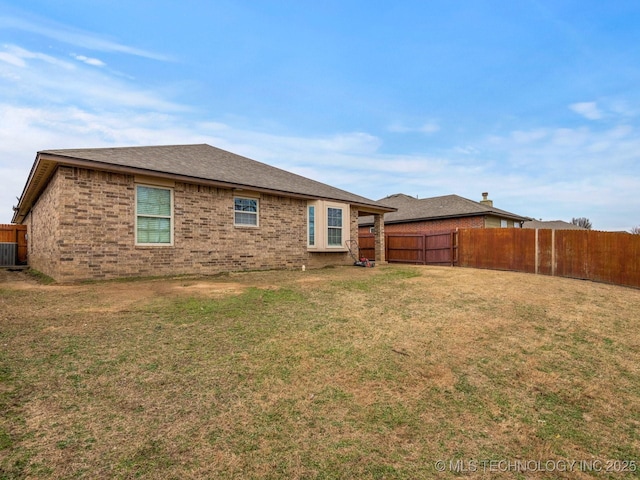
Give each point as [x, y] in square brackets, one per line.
[344, 373]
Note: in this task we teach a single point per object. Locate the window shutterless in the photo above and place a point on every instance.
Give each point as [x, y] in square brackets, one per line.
[154, 215]
[334, 226]
[311, 212]
[245, 211]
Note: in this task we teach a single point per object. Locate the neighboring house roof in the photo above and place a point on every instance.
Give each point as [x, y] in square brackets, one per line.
[190, 163]
[411, 209]
[552, 224]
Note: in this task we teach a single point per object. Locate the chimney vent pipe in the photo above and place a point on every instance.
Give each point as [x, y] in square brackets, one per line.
[485, 199]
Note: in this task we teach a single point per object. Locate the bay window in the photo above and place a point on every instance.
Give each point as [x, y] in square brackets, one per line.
[328, 225]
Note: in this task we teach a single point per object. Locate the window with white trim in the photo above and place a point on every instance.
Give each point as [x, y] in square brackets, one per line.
[334, 227]
[503, 223]
[311, 225]
[328, 225]
[245, 211]
[154, 215]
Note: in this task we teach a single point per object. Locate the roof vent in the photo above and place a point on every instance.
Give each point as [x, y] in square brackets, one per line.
[485, 199]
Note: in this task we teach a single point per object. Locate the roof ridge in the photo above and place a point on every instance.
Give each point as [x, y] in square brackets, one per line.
[198, 162]
[126, 147]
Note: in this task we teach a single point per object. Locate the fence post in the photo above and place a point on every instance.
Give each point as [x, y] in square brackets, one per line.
[553, 252]
[386, 247]
[537, 252]
[451, 248]
[424, 248]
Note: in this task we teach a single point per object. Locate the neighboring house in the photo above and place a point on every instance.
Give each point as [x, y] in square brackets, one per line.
[552, 225]
[440, 214]
[182, 209]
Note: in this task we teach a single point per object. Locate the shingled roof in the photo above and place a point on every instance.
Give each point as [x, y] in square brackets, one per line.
[411, 209]
[196, 163]
[551, 224]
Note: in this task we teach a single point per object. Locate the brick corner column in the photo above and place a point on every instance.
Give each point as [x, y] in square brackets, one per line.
[378, 227]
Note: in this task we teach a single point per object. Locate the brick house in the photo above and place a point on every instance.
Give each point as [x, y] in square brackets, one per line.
[183, 209]
[440, 214]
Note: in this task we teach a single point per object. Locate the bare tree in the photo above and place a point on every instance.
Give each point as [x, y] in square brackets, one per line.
[635, 230]
[583, 222]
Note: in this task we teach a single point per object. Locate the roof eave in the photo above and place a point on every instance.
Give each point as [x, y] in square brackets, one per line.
[41, 172]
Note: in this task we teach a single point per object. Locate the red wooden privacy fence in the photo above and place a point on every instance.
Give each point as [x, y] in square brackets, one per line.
[11, 235]
[609, 257]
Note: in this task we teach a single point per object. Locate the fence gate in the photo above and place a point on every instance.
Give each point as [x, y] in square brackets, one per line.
[416, 248]
[13, 245]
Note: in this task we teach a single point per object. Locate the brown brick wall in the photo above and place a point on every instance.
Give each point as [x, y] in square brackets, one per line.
[43, 227]
[83, 228]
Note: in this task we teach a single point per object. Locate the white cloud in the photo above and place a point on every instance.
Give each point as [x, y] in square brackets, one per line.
[538, 177]
[571, 137]
[564, 172]
[465, 150]
[428, 128]
[530, 136]
[12, 59]
[622, 108]
[41, 77]
[18, 57]
[78, 38]
[588, 110]
[89, 61]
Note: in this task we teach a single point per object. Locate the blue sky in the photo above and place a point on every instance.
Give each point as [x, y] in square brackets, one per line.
[536, 102]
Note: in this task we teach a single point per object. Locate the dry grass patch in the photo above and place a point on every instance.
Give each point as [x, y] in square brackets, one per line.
[336, 373]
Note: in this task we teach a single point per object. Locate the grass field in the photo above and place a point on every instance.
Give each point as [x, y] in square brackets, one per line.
[345, 373]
